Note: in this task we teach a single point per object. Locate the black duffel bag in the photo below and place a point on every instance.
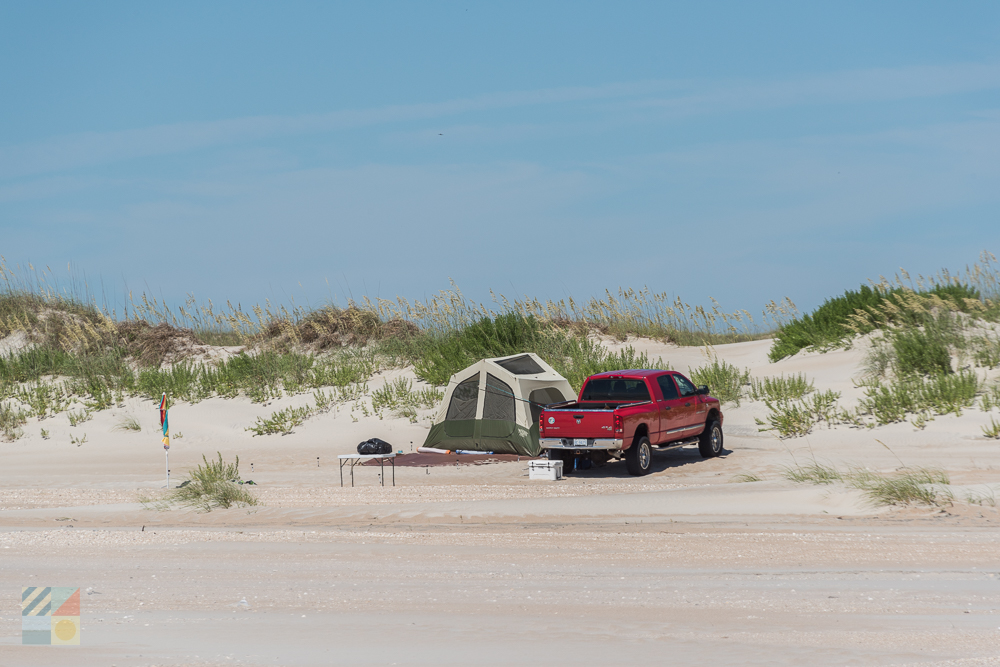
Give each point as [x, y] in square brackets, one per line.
[374, 446]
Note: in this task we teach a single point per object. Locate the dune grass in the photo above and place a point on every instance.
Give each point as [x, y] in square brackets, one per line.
[401, 400]
[213, 484]
[780, 388]
[127, 423]
[84, 358]
[919, 486]
[12, 419]
[837, 319]
[725, 381]
[746, 477]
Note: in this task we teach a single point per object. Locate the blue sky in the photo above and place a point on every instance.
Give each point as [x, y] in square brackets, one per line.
[742, 151]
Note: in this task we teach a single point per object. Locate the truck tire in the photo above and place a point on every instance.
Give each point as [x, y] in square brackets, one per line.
[639, 457]
[710, 440]
[566, 456]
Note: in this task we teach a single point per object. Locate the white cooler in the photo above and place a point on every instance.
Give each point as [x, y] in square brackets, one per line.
[544, 469]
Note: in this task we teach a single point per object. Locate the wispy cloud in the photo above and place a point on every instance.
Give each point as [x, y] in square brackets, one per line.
[644, 101]
[89, 149]
[872, 85]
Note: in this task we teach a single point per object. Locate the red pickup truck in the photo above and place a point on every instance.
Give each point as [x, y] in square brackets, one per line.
[624, 414]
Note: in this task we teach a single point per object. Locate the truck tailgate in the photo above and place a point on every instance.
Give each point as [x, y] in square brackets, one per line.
[577, 423]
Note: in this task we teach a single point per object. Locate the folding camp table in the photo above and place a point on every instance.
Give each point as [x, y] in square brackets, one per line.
[355, 459]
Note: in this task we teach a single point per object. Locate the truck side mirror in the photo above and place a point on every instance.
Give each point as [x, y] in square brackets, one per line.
[703, 389]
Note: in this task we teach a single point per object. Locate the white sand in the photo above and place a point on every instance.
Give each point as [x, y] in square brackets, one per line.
[479, 565]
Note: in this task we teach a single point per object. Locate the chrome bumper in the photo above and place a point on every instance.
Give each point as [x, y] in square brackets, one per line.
[571, 443]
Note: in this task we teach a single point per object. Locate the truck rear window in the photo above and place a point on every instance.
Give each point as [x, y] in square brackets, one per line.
[615, 390]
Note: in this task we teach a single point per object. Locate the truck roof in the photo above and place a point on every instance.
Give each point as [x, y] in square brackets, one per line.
[632, 373]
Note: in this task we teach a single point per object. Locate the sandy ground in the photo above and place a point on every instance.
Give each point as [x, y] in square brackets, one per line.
[480, 565]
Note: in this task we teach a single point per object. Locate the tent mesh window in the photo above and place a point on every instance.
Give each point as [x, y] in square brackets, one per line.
[523, 365]
[499, 401]
[464, 399]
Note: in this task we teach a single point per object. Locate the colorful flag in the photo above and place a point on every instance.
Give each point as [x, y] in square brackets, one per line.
[164, 423]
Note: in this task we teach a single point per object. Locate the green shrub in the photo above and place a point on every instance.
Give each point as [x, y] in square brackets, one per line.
[986, 352]
[281, 421]
[938, 394]
[399, 397]
[214, 484]
[11, 421]
[788, 418]
[791, 418]
[780, 388]
[438, 356]
[828, 325]
[725, 381]
[920, 352]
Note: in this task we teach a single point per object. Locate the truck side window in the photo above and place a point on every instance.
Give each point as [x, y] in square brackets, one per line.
[667, 387]
[687, 389]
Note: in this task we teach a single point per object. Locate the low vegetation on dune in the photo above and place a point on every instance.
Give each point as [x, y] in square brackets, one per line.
[68, 356]
[929, 343]
[919, 486]
[213, 484]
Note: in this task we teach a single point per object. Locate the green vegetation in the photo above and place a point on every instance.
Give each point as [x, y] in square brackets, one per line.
[791, 418]
[128, 423]
[916, 487]
[993, 430]
[213, 484]
[780, 388]
[814, 473]
[725, 381]
[78, 416]
[76, 358]
[939, 394]
[281, 421]
[836, 321]
[909, 487]
[284, 421]
[437, 356]
[398, 397]
[746, 477]
[11, 421]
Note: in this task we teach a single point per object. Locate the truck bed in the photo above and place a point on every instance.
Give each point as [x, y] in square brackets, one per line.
[579, 425]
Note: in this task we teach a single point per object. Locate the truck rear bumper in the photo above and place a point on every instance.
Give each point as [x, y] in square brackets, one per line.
[580, 443]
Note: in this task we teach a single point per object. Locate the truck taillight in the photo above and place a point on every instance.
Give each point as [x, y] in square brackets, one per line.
[619, 425]
[541, 424]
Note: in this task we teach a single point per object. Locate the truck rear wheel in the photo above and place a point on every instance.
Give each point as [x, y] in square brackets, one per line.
[710, 440]
[566, 456]
[639, 457]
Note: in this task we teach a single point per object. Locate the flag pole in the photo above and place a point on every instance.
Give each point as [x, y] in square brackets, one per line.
[164, 423]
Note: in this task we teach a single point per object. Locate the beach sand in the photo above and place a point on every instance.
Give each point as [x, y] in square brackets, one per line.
[477, 564]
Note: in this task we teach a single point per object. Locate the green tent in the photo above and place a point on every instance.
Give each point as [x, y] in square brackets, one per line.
[493, 405]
